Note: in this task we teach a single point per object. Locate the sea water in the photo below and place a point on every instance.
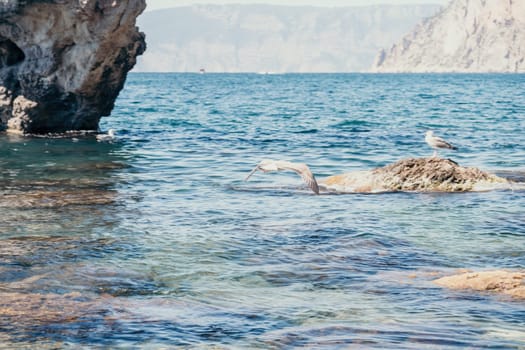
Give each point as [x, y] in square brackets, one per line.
[155, 241]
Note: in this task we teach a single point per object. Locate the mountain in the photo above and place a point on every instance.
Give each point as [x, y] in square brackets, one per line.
[268, 38]
[467, 36]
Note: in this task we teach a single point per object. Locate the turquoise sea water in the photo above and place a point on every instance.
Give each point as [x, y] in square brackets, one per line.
[155, 241]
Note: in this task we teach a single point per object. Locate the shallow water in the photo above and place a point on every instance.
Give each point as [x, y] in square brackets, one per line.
[155, 240]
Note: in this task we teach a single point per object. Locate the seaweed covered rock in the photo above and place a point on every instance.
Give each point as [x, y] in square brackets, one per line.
[415, 174]
[63, 63]
[436, 174]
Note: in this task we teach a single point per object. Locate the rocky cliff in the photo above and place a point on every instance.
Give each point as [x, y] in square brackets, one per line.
[467, 36]
[63, 62]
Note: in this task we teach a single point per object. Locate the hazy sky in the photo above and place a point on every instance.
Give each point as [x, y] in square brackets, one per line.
[158, 4]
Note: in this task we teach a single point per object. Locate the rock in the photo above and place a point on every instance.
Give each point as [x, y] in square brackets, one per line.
[415, 174]
[467, 36]
[63, 63]
[500, 281]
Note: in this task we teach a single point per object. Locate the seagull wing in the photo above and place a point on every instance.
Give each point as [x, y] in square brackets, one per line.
[304, 171]
[268, 165]
[440, 143]
[252, 172]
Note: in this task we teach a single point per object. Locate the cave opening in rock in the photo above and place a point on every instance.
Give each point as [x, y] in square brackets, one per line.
[10, 53]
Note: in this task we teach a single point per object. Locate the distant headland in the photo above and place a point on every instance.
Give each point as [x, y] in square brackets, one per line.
[477, 36]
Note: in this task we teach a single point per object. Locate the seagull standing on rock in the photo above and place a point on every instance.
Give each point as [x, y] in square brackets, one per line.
[437, 142]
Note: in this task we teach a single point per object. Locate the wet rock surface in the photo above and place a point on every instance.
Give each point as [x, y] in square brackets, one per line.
[63, 63]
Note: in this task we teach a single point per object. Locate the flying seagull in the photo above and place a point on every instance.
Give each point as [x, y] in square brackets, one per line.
[268, 165]
[437, 142]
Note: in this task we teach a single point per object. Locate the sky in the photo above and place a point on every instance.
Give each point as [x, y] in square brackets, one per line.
[159, 4]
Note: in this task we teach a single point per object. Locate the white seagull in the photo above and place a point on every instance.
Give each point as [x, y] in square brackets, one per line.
[106, 137]
[268, 165]
[437, 142]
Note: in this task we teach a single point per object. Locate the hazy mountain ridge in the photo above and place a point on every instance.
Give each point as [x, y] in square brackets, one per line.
[467, 36]
[268, 38]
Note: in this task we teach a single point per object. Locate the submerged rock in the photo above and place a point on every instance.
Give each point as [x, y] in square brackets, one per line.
[23, 310]
[500, 281]
[57, 198]
[63, 63]
[415, 174]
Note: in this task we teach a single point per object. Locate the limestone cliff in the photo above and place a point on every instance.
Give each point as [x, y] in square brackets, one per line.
[64, 62]
[467, 36]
